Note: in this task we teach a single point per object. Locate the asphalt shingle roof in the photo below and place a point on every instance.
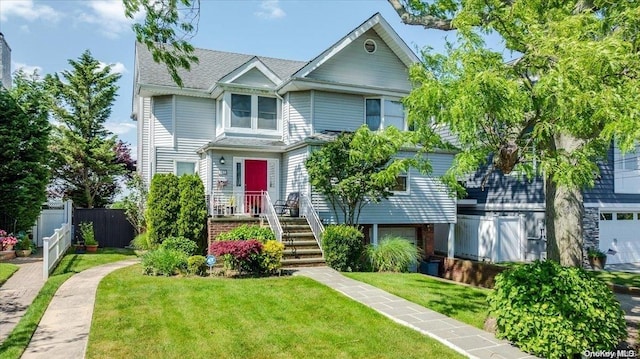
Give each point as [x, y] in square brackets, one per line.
[213, 65]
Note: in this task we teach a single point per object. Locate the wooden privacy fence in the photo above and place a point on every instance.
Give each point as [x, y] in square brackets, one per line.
[111, 227]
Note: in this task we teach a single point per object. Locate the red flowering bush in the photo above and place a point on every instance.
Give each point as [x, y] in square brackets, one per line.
[243, 256]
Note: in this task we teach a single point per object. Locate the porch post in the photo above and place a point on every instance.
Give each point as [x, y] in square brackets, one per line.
[451, 240]
[374, 234]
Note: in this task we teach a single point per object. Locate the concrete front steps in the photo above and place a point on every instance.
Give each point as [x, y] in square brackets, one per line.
[300, 246]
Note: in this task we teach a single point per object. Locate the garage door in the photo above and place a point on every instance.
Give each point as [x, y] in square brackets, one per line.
[620, 233]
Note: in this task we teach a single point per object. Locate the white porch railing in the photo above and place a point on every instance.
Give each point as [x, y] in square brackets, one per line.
[307, 211]
[270, 213]
[55, 246]
[236, 204]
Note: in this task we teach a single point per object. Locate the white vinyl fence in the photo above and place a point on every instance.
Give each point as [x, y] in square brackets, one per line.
[491, 238]
[56, 245]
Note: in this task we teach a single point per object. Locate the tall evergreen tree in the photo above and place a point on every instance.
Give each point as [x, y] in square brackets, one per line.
[192, 218]
[85, 163]
[24, 154]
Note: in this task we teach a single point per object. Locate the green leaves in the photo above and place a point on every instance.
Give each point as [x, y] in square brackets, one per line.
[355, 168]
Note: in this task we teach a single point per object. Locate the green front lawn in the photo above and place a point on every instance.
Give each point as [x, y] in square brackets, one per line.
[16, 343]
[464, 303]
[621, 278]
[6, 271]
[139, 316]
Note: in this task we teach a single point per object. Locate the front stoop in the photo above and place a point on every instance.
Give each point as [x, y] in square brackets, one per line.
[300, 246]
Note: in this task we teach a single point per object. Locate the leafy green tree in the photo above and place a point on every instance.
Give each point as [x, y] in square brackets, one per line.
[192, 218]
[356, 169]
[166, 30]
[571, 91]
[163, 207]
[85, 162]
[24, 154]
[135, 203]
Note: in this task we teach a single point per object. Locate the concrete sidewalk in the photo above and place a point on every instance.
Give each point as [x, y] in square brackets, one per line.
[465, 339]
[18, 292]
[63, 331]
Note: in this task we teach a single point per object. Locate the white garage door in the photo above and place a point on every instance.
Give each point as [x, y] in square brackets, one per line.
[620, 233]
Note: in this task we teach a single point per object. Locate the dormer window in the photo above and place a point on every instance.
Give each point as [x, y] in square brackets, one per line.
[252, 112]
[381, 113]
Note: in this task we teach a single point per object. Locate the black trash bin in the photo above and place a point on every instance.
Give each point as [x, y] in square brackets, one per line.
[430, 267]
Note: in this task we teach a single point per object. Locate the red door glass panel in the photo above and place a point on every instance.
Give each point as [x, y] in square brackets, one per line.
[255, 181]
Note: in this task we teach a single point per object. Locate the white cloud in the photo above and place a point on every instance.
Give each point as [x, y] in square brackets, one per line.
[27, 69]
[108, 15]
[27, 10]
[116, 68]
[25, 28]
[120, 128]
[270, 9]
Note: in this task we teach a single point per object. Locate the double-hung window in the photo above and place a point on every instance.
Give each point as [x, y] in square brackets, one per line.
[254, 112]
[381, 113]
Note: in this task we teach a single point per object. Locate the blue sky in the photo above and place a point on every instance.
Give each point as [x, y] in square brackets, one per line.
[45, 34]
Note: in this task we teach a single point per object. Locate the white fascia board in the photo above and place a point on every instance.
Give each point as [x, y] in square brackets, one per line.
[399, 47]
[303, 84]
[511, 206]
[145, 90]
[254, 63]
[613, 206]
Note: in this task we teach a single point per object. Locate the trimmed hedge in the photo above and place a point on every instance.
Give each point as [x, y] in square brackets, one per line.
[343, 248]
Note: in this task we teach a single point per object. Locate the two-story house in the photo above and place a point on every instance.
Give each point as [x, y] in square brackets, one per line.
[247, 123]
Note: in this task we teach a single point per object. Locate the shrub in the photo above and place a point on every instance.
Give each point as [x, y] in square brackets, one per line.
[87, 233]
[246, 232]
[164, 261]
[392, 254]
[143, 242]
[343, 247]
[271, 256]
[243, 255]
[196, 265]
[554, 311]
[192, 217]
[182, 244]
[163, 207]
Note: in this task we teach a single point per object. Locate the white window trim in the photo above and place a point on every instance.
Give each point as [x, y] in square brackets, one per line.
[195, 166]
[626, 181]
[408, 190]
[226, 108]
[382, 112]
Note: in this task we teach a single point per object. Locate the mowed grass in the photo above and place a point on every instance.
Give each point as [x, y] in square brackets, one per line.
[140, 316]
[464, 303]
[76, 263]
[18, 340]
[6, 271]
[620, 278]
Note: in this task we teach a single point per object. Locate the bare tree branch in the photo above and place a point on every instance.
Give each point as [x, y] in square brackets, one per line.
[428, 21]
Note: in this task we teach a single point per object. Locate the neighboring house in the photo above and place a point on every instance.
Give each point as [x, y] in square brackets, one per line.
[5, 63]
[612, 207]
[247, 123]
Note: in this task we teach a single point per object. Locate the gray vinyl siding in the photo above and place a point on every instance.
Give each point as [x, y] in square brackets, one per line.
[428, 200]
[144, 151]
[254, 77]
[294, 174]
[195, 123]
[162, 121]
[604, 191]
[353, 65]
[299, 116]
[337, 112]
[505, 189]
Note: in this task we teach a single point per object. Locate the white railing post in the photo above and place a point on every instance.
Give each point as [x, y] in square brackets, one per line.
[45, 257]
[270, 212]
[307, 210]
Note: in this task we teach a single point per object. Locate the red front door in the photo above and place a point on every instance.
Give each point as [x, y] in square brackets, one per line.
[255, 182]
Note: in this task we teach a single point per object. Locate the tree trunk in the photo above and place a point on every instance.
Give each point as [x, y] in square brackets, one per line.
[564, 212]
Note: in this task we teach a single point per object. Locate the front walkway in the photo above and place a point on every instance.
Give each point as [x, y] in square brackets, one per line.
[63, 331]
[465, 339]
[18, 292]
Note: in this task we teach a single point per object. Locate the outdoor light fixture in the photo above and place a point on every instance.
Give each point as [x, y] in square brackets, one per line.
[222, 160]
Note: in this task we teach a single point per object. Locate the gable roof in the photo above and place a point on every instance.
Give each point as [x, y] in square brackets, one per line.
[212, 67]
[216, 66]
